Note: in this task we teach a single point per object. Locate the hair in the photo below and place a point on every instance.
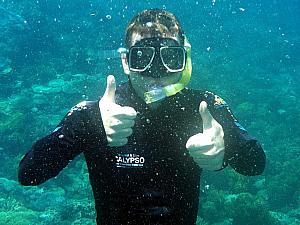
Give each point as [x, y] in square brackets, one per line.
[156, 22]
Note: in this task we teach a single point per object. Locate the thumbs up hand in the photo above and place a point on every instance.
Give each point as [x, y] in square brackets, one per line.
[117, 120]
[207, 148]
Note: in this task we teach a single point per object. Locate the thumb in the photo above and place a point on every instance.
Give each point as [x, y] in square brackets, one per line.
[109, 94]
[206, 116]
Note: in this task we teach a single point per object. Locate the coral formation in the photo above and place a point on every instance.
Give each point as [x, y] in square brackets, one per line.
[50, 60]
[245, 207]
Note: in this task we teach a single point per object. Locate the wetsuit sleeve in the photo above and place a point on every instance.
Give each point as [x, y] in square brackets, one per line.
[49, 155]
[242, 151]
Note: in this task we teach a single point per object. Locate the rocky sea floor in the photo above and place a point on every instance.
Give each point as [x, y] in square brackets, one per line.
[46, 68]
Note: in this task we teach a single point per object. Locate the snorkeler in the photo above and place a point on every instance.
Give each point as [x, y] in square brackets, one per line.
[147, 141]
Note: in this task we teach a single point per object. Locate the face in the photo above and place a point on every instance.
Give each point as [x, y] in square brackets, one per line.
[156, 74]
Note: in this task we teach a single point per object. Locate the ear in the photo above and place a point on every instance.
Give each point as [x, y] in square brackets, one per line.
[125, 63]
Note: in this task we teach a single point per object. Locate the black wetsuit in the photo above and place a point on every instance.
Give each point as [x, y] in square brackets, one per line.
[152, 179]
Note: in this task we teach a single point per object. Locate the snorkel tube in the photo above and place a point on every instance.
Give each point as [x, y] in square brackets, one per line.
[172, 89]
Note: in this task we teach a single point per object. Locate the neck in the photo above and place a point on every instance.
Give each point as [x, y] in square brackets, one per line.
[154, 105]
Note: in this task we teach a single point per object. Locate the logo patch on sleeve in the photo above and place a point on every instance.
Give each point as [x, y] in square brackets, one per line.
[219, 101]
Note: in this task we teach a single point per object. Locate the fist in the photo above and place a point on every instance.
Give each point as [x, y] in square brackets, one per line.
[117, 120]
[207, 148]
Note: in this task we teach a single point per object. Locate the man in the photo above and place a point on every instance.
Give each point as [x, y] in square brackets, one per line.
[147, 141]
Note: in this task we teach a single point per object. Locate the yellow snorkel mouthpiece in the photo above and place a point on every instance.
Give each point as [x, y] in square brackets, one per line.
[172, 89]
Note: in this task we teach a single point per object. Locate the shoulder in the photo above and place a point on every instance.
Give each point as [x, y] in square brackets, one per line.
[211, 98]
[76, 117]
[83, 106]
[215, 100]
[82, 109]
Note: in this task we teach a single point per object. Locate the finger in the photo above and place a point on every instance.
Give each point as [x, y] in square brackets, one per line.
[122, 124]
[210, 164]
[199, 142]
[209, 155]
[121, 133]
[118, 143]
[200, 149]
[205, 115]
[125, 112]
[109, 94]
[129, 111]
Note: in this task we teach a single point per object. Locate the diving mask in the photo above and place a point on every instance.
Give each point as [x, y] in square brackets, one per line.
[156, 57]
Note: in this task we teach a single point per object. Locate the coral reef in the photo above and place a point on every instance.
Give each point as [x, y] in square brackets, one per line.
[283, 189]
[213, 206]
[52, 58]
[245, 207]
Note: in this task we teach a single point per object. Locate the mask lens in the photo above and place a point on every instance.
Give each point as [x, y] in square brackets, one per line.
[140, 58]
[173, 58]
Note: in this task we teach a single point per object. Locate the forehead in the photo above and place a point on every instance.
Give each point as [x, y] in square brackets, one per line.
[138, 37]
[156, 42]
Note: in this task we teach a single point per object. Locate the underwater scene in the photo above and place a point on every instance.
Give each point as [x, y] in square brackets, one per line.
[57, 53]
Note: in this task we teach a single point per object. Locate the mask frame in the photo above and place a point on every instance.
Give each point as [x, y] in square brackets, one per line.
[151, 53]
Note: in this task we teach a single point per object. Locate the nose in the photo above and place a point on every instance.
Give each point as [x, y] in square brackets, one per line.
[156, 70]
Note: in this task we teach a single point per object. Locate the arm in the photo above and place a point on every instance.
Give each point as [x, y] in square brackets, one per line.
[242, 151]
[49, 155]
